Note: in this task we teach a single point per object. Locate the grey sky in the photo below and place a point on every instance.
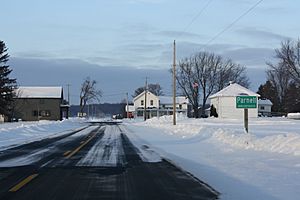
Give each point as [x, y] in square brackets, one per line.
[137, 34]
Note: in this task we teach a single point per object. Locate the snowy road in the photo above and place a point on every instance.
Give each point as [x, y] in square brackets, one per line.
[95, 162]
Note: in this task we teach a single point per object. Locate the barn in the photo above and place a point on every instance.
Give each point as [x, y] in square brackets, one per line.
[40, 103]
[225, 102]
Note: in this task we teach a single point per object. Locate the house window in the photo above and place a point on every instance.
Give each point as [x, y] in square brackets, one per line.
[142, 102]
[42, 113]
[45, 113]
[262, 107]
[180, 106]
[151, 102]
[35, 113]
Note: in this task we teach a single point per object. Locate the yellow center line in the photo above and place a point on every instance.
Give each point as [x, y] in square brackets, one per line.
[66, 153]
[22, 183]
[80, 147]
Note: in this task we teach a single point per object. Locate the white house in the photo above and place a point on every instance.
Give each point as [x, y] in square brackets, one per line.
[264, 107]
[158, 105]
[225, 102]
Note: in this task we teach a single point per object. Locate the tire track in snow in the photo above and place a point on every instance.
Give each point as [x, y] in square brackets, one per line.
[107, 151]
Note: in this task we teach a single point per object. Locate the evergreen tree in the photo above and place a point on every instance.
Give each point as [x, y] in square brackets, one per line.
[7, 85]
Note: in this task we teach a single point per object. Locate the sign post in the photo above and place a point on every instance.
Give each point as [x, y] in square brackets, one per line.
[246, 102]
[246, 119]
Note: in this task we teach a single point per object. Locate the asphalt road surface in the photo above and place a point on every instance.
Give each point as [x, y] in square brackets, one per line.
[98, 162]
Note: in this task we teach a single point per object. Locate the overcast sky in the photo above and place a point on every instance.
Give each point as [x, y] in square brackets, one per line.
[120, 42]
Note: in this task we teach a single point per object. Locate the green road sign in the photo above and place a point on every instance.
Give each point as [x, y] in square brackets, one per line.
[246, 102]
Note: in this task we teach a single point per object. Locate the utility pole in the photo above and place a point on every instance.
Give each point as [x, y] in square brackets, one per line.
[69, 112]
[68, 85]
[145, 103]
[127, 110]
[174, 83]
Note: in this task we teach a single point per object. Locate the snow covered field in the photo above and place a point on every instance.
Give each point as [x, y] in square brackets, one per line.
[264, 164]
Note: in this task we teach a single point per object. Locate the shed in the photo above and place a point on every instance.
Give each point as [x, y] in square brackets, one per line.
[265, 107]
[225, 102]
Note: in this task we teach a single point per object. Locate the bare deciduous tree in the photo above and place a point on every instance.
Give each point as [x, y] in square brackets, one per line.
[88, 92]
[289, 58]
[202, 74]
[280, 78]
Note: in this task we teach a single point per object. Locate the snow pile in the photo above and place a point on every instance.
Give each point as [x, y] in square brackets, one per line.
[293, 115]
[165, 123]
[281, 143]
[12, 134]
[262, 136]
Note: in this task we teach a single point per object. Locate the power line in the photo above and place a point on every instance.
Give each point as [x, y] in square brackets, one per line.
[196, 17]
[233, 23]
[116, 94]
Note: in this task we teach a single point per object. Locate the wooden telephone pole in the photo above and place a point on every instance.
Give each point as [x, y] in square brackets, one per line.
[127, 106]
[174, 84]
[145, 103]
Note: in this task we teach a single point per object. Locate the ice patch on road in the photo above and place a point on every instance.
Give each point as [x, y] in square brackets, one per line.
[38, 154]
[146, 153]
[107, 151]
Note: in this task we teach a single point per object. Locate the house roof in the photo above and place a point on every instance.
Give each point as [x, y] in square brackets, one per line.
[266, 102]
[39, 92]
[234, 90]
[165, 99]
[169, 100]
[141, 94]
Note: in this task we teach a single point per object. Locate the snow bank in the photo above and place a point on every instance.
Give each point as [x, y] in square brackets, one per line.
[12, 134]
[262, 137]
[282, 143]
[293, 115]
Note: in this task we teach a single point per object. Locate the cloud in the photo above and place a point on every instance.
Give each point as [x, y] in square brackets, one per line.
[261, 34]
[146, 1]
[179, 34]
[245, 55]
[251, 56]
[111, 80]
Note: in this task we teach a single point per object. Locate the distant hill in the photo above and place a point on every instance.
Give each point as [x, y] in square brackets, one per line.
[99, 110]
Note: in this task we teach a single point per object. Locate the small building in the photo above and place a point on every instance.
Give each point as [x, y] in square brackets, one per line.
[265, 107]
[225, 102]
[40, 103]
[158, 105]
[129, 111]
